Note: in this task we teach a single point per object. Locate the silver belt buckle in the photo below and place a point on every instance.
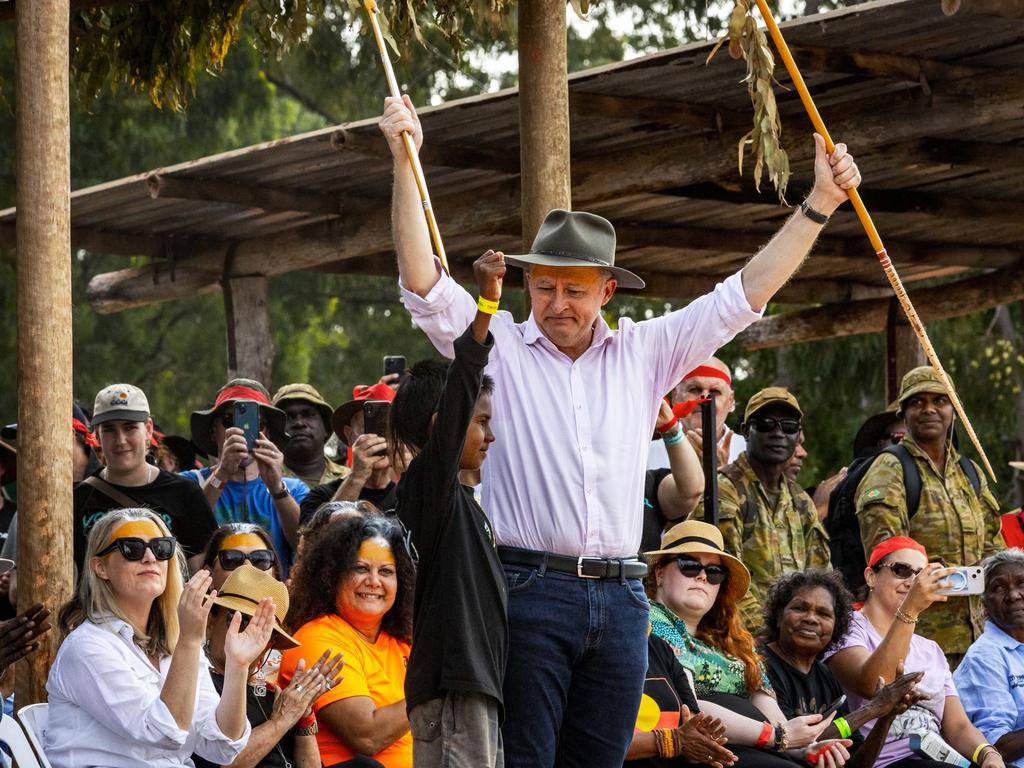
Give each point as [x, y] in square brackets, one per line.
[579, 569]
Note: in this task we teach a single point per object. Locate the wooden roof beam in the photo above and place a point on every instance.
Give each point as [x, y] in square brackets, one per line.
[98, 241]
[432, 154]
[243, 195]
[880, 64]
[638, 109]
[953, 299]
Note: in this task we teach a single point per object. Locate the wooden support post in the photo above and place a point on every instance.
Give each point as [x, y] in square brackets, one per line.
[250, 343]
[43, 244]
[543, 114]
[902, 351]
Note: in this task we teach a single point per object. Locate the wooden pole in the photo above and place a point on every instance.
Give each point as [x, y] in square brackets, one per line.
[250, 343]
[44, 322]
[902, 352]
[543, 114]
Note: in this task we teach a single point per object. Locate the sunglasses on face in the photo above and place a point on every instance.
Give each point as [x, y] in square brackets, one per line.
[899, 570]
[134, 549]
[230, 559]
[244, 623]
[789, 426]
[690, 568]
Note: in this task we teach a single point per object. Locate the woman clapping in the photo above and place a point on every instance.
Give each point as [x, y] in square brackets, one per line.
[129, 685]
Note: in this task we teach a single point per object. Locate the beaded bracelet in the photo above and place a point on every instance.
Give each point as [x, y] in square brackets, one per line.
[906, 618]
[843, 727]
[666, 743]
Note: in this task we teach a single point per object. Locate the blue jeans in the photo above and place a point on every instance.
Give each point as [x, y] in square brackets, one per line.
[575, 674]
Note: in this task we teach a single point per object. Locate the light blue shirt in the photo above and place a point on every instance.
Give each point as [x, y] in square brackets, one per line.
[990, 680]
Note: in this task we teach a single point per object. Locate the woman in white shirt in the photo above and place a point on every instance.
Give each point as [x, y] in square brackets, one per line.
[130, 685]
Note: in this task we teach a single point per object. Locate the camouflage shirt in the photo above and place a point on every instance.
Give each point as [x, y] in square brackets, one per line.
[332, 472]
[952, 522]
[769, 540]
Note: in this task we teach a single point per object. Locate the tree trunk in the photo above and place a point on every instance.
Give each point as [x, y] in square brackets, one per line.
[543, 114]
[44, 322]
[902, 351]
[250, 343]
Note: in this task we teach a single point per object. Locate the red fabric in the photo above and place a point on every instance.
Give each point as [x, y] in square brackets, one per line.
[891, 545]
[686, 407]
[88, 437]
[240, 393]
[710, 372]
[373, 392]
[1012, 528]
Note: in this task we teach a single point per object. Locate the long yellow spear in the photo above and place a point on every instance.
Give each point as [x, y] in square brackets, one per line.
[410, 147]
[872, 233]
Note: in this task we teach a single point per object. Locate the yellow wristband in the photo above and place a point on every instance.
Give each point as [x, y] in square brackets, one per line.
[974, 758]
[843, 727]
[486, 306]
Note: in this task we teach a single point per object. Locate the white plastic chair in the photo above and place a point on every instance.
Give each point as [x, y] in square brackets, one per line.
[14, 737]
[34, 718]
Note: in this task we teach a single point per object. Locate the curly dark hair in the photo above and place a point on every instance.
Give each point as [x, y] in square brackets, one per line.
[330, 557]
[785, 588]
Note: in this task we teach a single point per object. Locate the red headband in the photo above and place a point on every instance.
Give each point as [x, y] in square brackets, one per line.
[710, 372]
[891, 545]
[240, 393]
[87, 437]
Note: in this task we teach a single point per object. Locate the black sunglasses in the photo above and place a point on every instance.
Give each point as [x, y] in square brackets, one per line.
[690, 568]
[789, 426]
[899, 570]
[263, 559]
[245, 619]
[134, 548]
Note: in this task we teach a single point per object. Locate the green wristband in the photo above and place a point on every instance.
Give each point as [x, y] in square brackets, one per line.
[843, 727]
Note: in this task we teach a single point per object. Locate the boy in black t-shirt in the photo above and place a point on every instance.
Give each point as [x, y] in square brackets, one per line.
[460, 624]
[123, 425]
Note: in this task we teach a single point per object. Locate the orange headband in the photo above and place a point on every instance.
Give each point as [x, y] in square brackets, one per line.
[236, 540]
[373, 549]
[134, 528]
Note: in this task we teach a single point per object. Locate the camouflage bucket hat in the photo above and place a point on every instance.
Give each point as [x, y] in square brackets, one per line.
[918, 380]
[307, 394]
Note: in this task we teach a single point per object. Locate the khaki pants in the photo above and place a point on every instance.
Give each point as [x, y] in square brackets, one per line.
[459, 731]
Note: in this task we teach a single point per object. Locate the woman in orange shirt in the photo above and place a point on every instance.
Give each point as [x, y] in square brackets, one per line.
[354, 594]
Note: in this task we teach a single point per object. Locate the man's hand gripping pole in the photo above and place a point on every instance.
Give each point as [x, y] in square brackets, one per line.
[872, 233]
[410, 147]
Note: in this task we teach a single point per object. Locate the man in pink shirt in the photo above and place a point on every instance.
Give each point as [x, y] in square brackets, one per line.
[573, 409]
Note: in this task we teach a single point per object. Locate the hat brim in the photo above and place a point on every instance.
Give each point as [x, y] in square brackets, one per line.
[201, 423]
[103, 418]
[739, 577]
[932, 387]
[784, 403]
[342, 416]
[870, 432]
[281, 639]
[5, 565]
[625, 278]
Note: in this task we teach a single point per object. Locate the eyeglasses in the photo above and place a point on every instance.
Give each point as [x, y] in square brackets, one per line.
[691, 569]
[134, 549]
[899, 570]
[789, 426]
[263, 559]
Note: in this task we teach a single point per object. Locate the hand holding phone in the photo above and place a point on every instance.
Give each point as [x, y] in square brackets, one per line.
[831, 708]
[375, 417]
[964, 580]
[394, 364]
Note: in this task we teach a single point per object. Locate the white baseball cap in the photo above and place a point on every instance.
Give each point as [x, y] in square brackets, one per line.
[120, 402]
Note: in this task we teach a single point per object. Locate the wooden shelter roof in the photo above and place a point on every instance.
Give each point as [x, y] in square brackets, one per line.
[932, 106]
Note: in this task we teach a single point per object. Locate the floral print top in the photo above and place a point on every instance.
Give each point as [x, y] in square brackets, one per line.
[713, 671]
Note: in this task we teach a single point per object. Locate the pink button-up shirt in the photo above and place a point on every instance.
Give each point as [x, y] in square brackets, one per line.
[566, 473]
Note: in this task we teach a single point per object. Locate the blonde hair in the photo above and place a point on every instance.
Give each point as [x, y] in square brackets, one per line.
[94, 600]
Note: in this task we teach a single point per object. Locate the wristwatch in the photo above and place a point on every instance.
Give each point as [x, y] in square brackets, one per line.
[282, 494]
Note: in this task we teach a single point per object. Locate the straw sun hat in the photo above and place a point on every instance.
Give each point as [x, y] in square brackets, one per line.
[693, 537]
[245, 587]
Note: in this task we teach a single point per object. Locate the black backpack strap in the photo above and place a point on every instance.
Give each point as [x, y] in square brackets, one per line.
[972, 474]
[911, 477]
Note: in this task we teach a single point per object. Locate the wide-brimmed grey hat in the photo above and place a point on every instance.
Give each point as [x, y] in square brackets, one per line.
[576, 239]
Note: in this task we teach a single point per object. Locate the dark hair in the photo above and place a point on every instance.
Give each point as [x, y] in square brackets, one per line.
[785, 588]
[229, 529]
[330, 557]
[326, 511]
[419, 393]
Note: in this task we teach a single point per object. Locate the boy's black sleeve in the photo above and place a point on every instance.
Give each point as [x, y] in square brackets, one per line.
[433, 476]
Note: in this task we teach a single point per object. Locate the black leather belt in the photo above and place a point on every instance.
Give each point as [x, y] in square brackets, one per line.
[584, 567]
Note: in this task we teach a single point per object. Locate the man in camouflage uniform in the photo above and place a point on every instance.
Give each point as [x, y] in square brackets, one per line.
[767, 520]
[957, 525]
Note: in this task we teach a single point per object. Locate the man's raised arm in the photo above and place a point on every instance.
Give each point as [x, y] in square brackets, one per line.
[416, 266]
[774, 264]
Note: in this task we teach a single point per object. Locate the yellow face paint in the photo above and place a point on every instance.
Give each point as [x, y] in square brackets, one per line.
[141, 528]
[236, 540]
[583, 276]
[376, 550]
